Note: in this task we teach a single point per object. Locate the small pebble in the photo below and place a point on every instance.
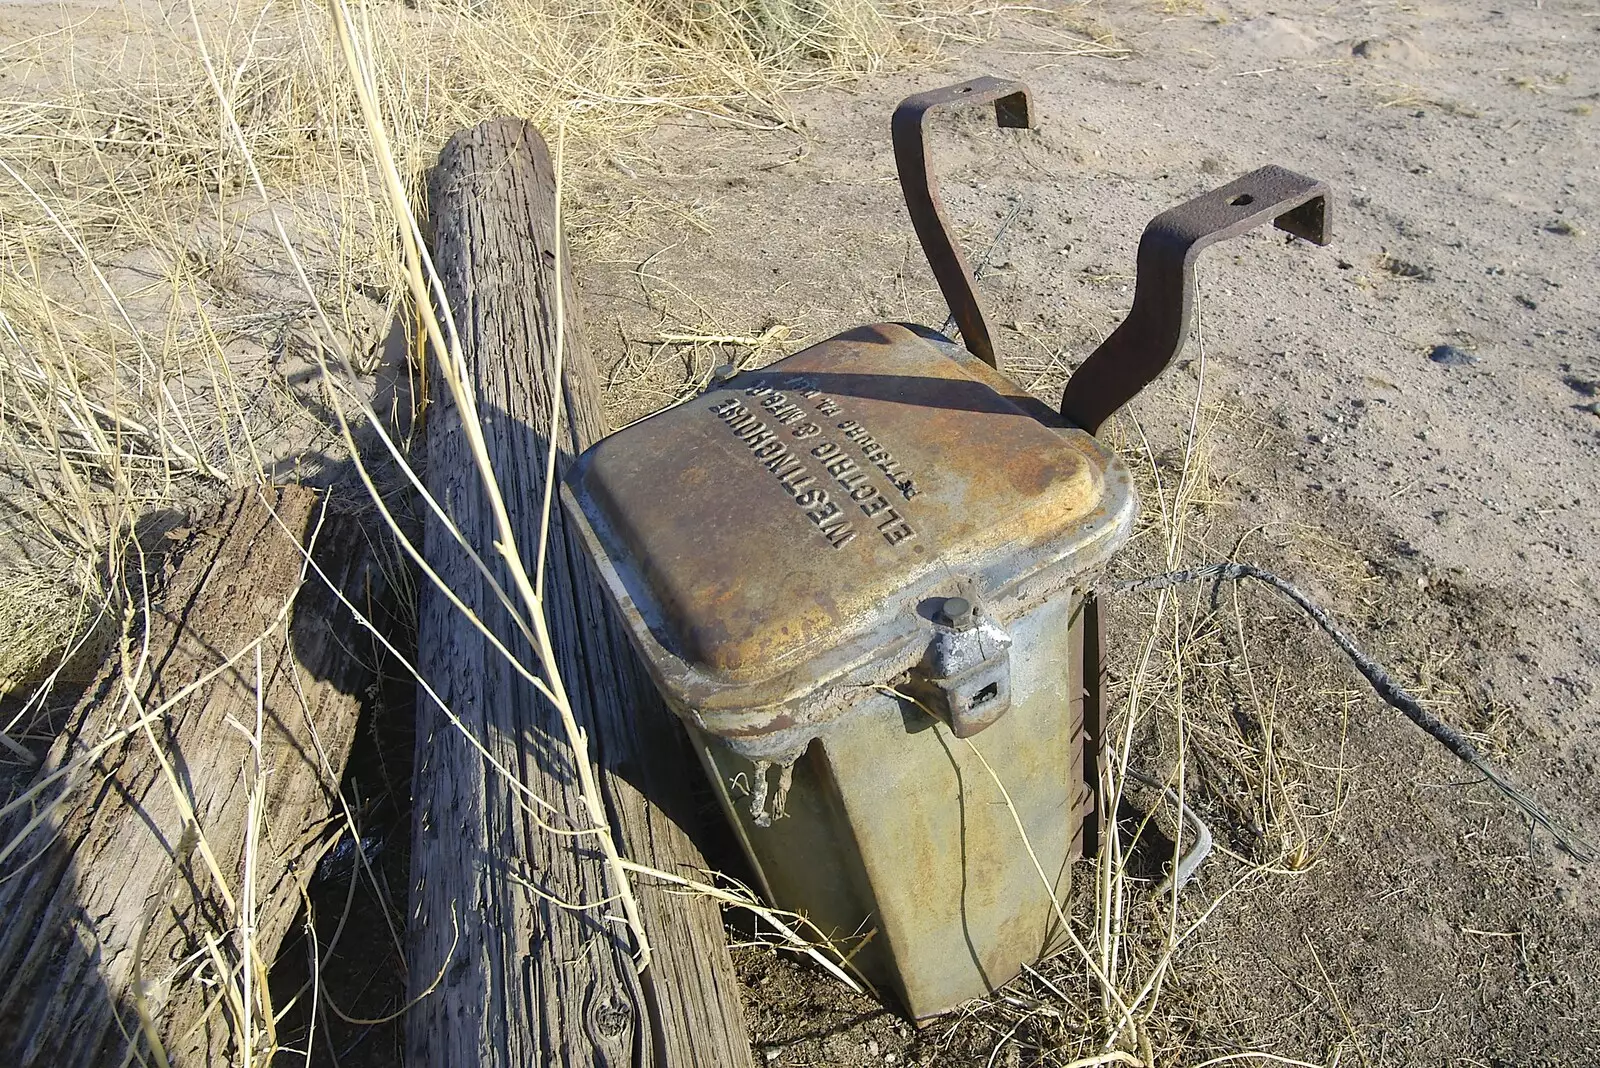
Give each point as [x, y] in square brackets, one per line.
[1450, 356]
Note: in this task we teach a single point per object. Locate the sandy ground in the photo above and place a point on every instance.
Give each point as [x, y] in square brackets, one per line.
[1444, 508]
[1440, 498]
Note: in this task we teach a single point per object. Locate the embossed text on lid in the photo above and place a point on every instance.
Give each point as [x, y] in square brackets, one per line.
[801, 504]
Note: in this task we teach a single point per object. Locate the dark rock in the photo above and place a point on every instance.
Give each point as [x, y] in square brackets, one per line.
[1589, 387]
[1451, 356]
[1405, 268]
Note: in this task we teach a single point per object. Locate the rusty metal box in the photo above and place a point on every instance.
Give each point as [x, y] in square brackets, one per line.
[851, 573]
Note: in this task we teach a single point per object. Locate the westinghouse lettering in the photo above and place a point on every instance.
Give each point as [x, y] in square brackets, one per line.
[768, 447]
[790, 470]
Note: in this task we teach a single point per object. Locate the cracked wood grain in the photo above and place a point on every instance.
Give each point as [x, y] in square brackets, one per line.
[108, 898]
[530, 982]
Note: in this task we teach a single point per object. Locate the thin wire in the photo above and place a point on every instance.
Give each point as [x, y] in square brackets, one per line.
[1382, 683]
[988, 254]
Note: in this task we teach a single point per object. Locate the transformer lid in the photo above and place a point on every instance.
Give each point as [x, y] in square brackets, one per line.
[770, 534]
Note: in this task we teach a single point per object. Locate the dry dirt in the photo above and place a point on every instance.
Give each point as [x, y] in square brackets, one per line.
[1441, 500]
[1445, 509]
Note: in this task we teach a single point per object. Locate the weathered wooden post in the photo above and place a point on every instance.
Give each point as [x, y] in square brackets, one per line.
[510, 918]
[116, 933]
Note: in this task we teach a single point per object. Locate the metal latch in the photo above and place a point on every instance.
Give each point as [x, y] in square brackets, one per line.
[966, 674]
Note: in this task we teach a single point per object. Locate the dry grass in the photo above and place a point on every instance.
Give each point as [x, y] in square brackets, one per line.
[1201, 701]
[157, 345]
[210, 234]
[206, 249]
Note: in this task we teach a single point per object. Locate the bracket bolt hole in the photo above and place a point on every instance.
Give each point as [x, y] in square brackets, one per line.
[1242, 199]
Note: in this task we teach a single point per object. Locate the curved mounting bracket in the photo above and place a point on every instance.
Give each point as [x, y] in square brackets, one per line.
[1153, 334]
[1012, 108]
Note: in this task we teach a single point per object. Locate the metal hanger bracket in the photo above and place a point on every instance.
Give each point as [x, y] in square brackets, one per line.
[1154, 332]
[1012, 108]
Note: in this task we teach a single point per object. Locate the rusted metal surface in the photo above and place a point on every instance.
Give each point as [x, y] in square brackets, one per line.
[879, 515]
[851, 568]
[1012, 108]
[896, 834]
[1153, 334]
[789, 534]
